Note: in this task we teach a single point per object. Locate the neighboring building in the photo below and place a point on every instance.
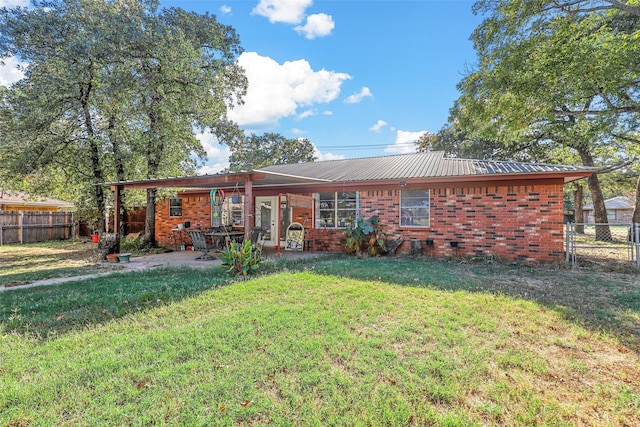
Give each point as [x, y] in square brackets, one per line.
[619, 210]
[11, 200]
[27, 219]
[464, 207]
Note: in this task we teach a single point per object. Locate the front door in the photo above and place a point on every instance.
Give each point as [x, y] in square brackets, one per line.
[266, 217]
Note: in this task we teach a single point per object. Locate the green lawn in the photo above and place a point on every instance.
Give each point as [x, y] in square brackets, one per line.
[335, 341]
[37, 261]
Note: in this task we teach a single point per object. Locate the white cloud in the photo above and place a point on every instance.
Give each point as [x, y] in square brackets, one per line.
[9, 73]
[325, 156]
[287, 11]
[225, 9]
[318, 25]
[378, 126]
[297, 131]
[357, 97]
[306, 114]
[405, 142]
[218, 154]
[277, 90]
[14, 3]
[327, 113]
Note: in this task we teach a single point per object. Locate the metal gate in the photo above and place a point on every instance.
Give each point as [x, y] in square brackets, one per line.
[614, 242]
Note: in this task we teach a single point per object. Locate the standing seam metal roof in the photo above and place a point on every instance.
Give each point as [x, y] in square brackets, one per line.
[407, 166]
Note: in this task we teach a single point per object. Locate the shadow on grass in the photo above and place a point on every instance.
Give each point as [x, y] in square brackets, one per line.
[46, 311]
[596, 300]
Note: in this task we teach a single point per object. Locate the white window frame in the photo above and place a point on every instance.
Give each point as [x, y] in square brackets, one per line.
[172, 207]
[228, 208]
[227, 211]
[339, 221]
[414, 219]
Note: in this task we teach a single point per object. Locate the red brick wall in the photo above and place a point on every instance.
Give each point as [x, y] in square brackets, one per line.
[513, 222]
[510, 221]
[195, 209]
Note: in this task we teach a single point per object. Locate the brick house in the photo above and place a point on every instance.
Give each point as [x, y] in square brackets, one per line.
[452, 207]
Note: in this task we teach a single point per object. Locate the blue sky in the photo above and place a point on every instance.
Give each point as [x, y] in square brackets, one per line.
[357, 78]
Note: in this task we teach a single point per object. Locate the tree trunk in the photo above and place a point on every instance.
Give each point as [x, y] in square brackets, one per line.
[603, 232]
[154, 154]
[150, 219]
[578, 205]
[94, 151]
[120, 174]
[636, 211]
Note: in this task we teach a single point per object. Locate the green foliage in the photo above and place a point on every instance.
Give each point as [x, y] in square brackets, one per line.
[125, 92]
[241, 259]
[255, 152]
[365, 236]
[131, 244]
[557, 80]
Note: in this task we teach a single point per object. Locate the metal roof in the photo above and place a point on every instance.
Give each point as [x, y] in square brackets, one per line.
[407, 166]
[415, 166]
[620, 202]
[14, 197]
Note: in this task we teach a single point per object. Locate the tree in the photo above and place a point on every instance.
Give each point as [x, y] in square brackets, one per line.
[114, 90]
[269, 149]
[558, 73]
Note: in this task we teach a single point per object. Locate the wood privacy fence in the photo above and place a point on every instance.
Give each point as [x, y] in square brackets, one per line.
[34, 226]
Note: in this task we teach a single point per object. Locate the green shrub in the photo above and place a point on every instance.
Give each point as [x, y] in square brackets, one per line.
[132, 245]
[365, 236]
[241, 259]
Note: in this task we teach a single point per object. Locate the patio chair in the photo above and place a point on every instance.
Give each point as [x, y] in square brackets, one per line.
[257, 238]
[295, 237]
[199, 241]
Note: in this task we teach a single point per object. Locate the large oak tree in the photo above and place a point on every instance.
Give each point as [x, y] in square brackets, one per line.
[114, 90]
[557, 74]
[255, 151]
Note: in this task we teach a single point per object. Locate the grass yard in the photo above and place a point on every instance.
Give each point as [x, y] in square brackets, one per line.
[21, 264]
[332, 341]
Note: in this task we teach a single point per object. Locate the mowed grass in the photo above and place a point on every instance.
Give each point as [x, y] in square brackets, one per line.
[37, 261]
[314, 347]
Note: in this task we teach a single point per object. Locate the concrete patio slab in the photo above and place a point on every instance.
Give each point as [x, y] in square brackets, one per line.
[167, 259]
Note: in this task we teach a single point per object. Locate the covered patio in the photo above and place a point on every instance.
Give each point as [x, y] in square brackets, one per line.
[270, 201]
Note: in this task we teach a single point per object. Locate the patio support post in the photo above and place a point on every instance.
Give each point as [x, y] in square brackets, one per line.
[116, 210]
[248, 206]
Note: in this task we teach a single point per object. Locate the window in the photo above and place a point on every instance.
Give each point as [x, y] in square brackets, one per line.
[233, 211]
[414, 208]
[336, 210]
[175, 207]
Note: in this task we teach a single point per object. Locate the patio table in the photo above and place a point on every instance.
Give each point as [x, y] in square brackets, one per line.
[218, 237]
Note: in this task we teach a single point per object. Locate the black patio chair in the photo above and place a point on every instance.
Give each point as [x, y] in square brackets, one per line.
[199, 241]
[257, 238]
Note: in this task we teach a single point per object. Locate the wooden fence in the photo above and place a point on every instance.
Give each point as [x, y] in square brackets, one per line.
[34, 226]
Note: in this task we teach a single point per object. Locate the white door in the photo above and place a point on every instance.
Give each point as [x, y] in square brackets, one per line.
[266, 217]
[266, 212]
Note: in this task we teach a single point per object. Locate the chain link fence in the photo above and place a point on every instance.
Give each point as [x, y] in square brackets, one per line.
[614, 243]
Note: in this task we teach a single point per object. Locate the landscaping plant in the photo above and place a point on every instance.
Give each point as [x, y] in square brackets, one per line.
[241, 259]
[365, 236]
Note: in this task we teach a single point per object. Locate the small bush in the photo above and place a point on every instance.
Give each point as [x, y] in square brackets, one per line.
[365, 236]
[241, 259]
[131, 244]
